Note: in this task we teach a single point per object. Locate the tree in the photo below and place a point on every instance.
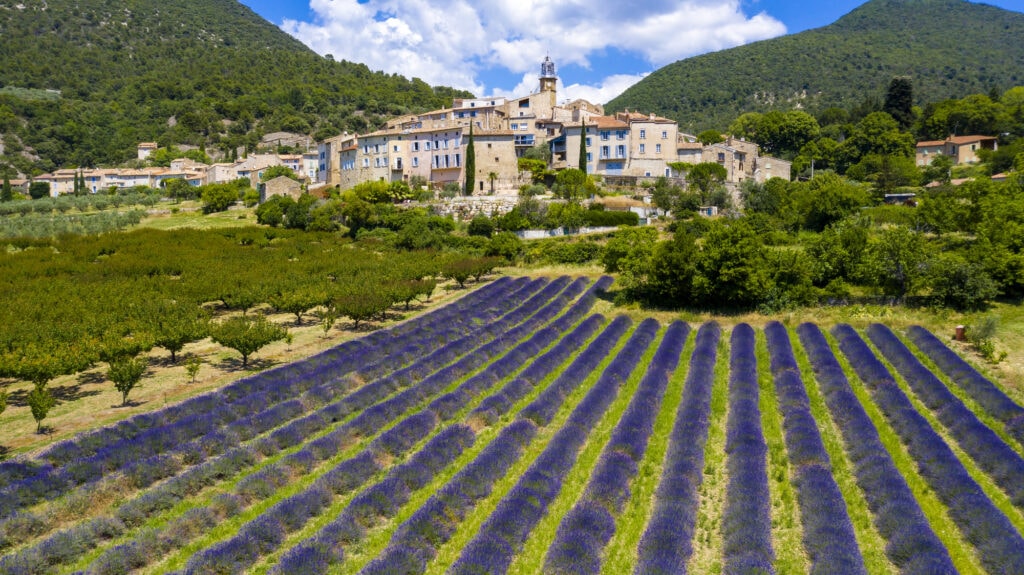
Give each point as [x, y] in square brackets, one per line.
[192, 366]
[126, 373]
[278, 171]
[534, 166]
[625, 243]
[899, 101]
[178, 189]
[828, 198]
[895, 261]
[6, 193]
[491, 177]
[704, 178]
[960, 284]
[246, 334]
[709, 137]
[470, 165]
[40, 401]
[360, 304]
[583, 147]
[176, 324]
[271, 212]
[571, 183]
[297, 299]
[38, 190]
[730, 270]
[218, 197]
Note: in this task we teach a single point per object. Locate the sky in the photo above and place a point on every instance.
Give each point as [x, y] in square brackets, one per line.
[495, 47]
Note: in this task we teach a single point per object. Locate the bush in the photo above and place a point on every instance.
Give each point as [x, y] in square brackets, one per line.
[481, 226]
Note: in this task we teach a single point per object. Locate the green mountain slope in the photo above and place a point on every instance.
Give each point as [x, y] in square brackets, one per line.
[949, 48]
[174, 71]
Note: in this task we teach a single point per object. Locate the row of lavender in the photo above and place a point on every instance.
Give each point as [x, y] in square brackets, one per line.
[417, 540]
[1000, 547]
[210, 457]
[382, 499]
[71, 463]
[70, 543]
[412, 405]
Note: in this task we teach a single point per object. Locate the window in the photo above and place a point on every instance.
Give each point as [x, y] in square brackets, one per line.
[395, 147]
[605, 135]
[426, 145]
[664, 135]
[721, 157]
[590, 157]
[647, 174]
[620, 151]
[524, 103]
[643, 149]
[643, 134]
[668, 172]
[657, 148]
[458, 160]
[620, 135]
[415, 146]
[366, 162]
[604, 152]
[515, 126]
[415, 162]
[588, 142]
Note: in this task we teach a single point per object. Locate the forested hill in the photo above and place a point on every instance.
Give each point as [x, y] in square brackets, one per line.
[949, 48]
[173, 71]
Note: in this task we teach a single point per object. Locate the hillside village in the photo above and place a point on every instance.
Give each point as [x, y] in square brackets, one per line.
[627, 147]
[432, 145]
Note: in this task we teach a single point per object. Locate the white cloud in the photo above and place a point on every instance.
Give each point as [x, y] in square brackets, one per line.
[609, 88]
[455, 42]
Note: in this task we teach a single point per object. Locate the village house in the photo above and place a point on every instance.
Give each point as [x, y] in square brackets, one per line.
[962, 149]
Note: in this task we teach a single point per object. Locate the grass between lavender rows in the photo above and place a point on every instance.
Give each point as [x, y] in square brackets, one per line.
[787, 531]
[377, 538]
[621, 552]
[707, 533]
[994, 493]
[230, 527]
[531, 559]
[963, 555]
[870, 541]
[470, 526]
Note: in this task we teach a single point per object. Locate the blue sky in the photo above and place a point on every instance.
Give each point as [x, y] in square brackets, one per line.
[494, 47]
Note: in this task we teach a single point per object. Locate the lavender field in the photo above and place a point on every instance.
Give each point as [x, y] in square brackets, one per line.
[515, 431]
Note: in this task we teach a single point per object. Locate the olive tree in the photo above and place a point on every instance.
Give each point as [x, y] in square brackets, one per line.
[247, 334]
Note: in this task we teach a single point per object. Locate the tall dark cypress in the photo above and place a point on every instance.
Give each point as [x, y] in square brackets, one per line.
[583, 147]
[470, 165]
[6, 193]
[899, 101]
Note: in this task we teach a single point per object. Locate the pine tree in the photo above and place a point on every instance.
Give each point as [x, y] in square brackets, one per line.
[470, 165]
[583, 147]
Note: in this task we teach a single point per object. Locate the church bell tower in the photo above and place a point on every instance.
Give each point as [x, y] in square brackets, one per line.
[548, 80]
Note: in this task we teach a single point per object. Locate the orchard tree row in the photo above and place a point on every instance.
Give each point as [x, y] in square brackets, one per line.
[77, 301]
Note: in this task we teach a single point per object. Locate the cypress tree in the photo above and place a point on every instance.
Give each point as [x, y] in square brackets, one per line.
[6, 194]
[470, 165]
[583, 147]
[899, 101]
